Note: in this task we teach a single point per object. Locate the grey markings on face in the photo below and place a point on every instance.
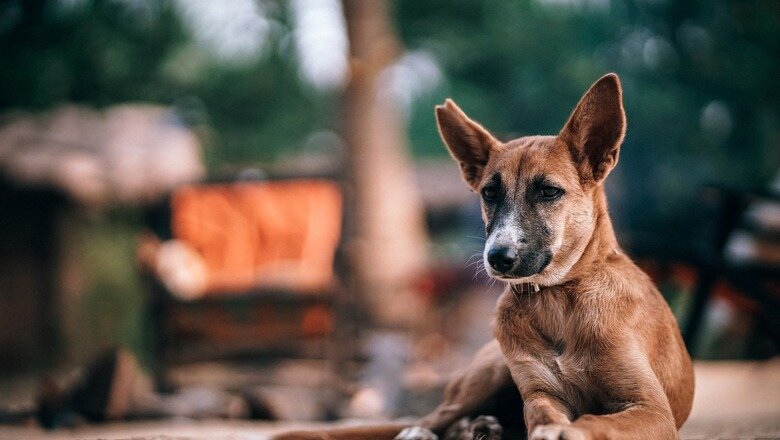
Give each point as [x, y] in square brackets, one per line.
[507, 230]
[503, 216]
[515, 217]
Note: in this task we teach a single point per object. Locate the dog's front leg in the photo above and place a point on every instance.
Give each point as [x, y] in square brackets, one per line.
[466, 393]
[540, 391]
[540, 408]
[641, 421]
[549, 418]
[639, 406]
[635, 400]
[471, 388]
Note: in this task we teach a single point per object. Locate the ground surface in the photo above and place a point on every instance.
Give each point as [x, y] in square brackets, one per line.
[734, 400]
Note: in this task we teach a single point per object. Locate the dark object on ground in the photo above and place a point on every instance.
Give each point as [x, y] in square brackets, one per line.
[113, 387]
[103, 393]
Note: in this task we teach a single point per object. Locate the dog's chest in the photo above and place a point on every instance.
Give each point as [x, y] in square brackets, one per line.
[568, 367]
[547, 316]
[550, 340]
[560, 354]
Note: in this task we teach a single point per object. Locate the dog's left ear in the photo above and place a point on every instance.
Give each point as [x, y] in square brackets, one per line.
[596, 128]
[468, 142]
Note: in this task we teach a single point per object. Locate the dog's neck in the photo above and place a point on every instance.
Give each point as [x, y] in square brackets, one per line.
[602, 243]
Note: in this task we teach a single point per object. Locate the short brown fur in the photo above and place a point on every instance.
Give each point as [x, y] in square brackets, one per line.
[596, 353]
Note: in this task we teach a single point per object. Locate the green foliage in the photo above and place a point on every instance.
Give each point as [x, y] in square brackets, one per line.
[699, 78]
[519, 67]
[99, 53]
[103, 52]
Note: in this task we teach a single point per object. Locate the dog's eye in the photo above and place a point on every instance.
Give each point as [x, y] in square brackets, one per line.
[489, 193]
[550, 192]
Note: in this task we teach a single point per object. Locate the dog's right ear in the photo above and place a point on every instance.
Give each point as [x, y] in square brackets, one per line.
[468, 142]
[596, 128]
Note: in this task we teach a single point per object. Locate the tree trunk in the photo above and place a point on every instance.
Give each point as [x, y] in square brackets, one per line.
[388, 240]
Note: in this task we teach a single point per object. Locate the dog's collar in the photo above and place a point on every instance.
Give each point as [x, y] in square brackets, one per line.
[524, 287]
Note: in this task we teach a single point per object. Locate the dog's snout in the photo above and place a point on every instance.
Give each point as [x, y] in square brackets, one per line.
[502, 259]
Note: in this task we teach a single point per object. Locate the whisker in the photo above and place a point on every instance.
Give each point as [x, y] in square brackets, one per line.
[469, 262]
[514, 292]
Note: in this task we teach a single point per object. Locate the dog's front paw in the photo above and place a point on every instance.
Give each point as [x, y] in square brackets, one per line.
[486, 428]
[481, 428]
[416, 433]
[458, 430]
[558, 432]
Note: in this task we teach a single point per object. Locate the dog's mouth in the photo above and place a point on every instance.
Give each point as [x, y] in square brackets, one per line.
[548, 256]
[528, 265]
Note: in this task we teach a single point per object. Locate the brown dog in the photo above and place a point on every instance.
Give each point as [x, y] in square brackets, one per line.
[581, 331]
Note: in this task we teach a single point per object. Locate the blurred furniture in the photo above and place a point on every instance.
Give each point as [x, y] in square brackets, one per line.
[58, 167]
[31, 275]
[245, 268]
[744, 249]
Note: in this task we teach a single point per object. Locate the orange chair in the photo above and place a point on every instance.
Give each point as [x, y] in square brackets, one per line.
[263, 254]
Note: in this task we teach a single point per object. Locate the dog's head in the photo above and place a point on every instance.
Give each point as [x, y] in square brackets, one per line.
[539, 193]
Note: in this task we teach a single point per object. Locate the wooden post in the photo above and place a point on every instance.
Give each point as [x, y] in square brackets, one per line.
[387, 237]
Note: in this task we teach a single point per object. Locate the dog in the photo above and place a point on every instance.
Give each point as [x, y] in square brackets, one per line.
[585, 346]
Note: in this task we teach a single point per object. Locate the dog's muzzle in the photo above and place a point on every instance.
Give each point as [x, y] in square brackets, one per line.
[508, 262]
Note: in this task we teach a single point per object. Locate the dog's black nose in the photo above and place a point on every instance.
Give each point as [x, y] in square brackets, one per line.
[502, 259]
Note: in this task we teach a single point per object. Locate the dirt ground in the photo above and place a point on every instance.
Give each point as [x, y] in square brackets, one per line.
[734, 400]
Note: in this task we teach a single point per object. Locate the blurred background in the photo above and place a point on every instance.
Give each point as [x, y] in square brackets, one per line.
[248, 200]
